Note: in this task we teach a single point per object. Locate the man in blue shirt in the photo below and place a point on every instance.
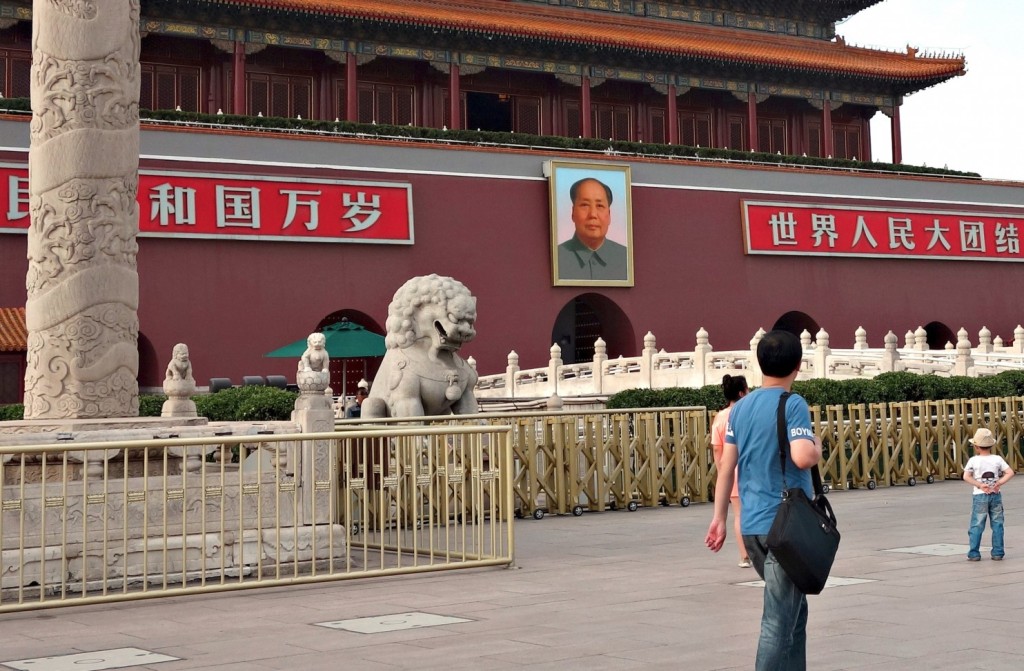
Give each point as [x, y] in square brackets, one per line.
[751, 440]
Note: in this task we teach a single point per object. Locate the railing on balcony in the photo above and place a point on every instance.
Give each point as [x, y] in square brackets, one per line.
[657, 369]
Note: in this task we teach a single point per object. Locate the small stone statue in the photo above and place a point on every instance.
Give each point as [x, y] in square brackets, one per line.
[314, 373]
[315, 358]
[179, 385]
[180, 368]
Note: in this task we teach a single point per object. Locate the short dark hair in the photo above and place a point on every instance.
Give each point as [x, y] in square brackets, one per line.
[733, 386]
[779, 353]
[574, 189]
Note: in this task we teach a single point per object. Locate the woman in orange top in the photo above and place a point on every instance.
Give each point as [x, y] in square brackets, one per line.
[734, 388]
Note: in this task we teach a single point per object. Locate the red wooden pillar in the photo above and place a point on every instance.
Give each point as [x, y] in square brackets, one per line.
[752, 120]
[351, 89]
[323, 109]
[454, 98]
[585, 106]
[238, 99]
[827, 142]
[897, 141]
[673, 116]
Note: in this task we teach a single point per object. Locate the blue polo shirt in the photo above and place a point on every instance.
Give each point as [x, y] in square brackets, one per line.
[752, 430]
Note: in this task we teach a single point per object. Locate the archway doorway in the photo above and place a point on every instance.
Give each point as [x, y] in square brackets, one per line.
[938, 335]
[797, 322]
[586, 318]
[149, 365]
[346, 373]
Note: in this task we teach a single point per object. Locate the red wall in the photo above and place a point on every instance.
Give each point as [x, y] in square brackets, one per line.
[231, 301]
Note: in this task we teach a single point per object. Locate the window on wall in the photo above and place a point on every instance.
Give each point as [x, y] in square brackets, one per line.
[571, 118]
[656, 125]
[737, 137]
[384, 104]
[502, 112]
[165, 87]
[611, 121]
[846, 141]
[771, 136]
[695, 128]
[279, 95]
[14, 68]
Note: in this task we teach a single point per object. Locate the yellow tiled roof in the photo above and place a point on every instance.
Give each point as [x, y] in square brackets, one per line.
[649, 35]
[13, 332]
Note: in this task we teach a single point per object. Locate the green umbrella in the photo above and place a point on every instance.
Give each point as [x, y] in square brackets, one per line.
[345, 340]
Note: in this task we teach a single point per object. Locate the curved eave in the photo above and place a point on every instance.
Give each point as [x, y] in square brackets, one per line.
[905, 72]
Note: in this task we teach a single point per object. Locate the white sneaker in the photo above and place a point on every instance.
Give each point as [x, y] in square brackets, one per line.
[744, 563]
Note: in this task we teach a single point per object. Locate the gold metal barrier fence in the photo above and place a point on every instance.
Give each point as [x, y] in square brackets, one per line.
[575, 461]
[883, 444]
[571, 461]
[88, 523]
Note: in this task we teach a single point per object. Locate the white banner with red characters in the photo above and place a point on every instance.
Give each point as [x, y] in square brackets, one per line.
[807, 229]
[247, 207]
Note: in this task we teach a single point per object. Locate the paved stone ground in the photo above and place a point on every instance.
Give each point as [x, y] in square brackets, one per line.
[614, 590]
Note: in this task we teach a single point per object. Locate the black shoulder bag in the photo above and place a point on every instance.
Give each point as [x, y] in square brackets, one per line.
[803, 537]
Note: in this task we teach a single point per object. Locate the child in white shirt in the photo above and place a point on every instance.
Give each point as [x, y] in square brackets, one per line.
[988, 473]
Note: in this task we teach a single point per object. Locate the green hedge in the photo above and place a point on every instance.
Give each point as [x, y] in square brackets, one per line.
[13, 412]
[240, 404]
[885, 388]
[484, 138]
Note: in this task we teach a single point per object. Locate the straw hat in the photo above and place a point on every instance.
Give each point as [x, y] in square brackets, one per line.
[983, 438]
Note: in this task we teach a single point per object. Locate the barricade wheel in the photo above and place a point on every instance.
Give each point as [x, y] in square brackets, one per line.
[613, 505]
[911, 481]
[577, 511]
[664, 502]
[519, 513]
[538, 514]
[825, 488]
[872, 485]
[930, 479]
[632, 506]
[685, 502]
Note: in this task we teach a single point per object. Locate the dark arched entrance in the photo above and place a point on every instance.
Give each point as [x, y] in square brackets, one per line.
[938, 335]
[149, 365]
[797, 322]
[586, 318]
[347, 372]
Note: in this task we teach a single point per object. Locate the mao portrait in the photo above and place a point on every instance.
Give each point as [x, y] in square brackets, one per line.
[591, 224]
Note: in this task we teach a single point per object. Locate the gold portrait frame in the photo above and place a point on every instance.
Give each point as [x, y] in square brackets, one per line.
[573, 263]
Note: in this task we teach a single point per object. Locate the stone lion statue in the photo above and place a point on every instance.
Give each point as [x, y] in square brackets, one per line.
[429, 319]
[179, 367]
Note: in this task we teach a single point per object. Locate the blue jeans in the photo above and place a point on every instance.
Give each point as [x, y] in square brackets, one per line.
[986, 506]
[783, 642]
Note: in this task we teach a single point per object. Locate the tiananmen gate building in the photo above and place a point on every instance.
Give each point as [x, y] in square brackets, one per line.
[256, 232]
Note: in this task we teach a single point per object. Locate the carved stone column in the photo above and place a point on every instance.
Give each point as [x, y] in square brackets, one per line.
[83, 288]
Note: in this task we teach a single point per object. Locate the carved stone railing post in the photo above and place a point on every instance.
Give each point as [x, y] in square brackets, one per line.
[700, 355]
[647, 361]
[908, 340]
[1018, 339]
[805, 341]
[921, 339]
[82, 283]
[754, 370]
[964, 360]
[984, 341]
[317, 462]
[860, 338]
[891, 355]
[821, 353]
[510, 373]
[554, 367]
[600, 356]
